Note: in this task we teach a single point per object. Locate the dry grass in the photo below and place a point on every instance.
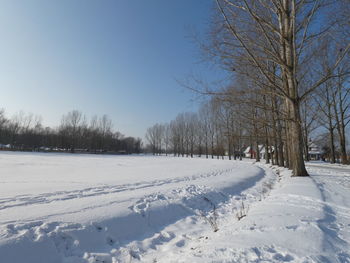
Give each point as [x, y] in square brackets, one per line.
[242, 212]
[212, 217]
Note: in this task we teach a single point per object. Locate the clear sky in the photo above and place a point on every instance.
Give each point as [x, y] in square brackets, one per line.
[114, 57]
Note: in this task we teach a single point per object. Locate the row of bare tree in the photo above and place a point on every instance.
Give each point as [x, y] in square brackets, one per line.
[289, 67]
[210, 132]
[227, 125]
[26, 132]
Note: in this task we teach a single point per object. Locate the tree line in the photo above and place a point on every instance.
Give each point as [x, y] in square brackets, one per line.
[74, 134]
[224, 127]
[288, 63]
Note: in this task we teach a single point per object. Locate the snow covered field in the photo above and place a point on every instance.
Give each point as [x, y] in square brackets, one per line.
[88, 208]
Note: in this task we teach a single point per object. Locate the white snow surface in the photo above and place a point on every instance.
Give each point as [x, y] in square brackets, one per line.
[68, 208]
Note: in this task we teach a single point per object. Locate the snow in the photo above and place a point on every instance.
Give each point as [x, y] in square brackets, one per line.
[97, 208]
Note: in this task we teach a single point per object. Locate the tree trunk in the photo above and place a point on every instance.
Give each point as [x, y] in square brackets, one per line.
[296, 142]
[257, 157]
[288, 53]
[330, 126]
[279, 141]
[344, 158]
[331, 131]
[274, 134]
[286, 147]
[206, 147]
[306, 142]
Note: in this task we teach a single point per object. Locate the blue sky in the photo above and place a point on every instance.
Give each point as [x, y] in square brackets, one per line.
[117, 57]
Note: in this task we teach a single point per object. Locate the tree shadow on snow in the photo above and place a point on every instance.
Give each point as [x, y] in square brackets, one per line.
[331, 243]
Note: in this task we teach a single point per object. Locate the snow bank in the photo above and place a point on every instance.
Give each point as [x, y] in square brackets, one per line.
[299, 220]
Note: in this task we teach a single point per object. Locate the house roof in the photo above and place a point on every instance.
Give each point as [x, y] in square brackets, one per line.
[261, 149]
[314, 148]
[315, 152]
[247, 150]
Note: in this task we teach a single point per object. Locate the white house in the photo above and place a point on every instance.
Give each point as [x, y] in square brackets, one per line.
[315, 152]
[5, 146]
[251, 153]
[262, 151]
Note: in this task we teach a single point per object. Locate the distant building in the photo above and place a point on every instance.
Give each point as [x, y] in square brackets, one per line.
[5, 146]
[315, 152]
[250, 152]
[262, 151]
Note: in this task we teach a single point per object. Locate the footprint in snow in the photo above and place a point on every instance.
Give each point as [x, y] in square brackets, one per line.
[143, 204]
[180, 243]
[99, 258]
[161, 238]
[282, 258]
[98, 227]
[140, 208]
[65, 243]
[294, 227]
[134, 254]
[110, 241]
[11, 230]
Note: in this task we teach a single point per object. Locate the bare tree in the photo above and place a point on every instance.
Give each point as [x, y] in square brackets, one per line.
[167, 135]
[151, 137]
[281, 32]
[71, 128]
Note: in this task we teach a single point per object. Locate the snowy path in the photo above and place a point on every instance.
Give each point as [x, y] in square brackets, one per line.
[301, 220]
[334, 186]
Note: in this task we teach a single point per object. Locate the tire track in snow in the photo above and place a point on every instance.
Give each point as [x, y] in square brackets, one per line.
[190, 199]
[24, 200]
[200, 202]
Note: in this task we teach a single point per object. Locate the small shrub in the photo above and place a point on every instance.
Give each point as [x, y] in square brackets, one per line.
[212, 217]
[243, 211]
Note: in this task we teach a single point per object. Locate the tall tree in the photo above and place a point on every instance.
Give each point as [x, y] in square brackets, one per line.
[283, 32]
